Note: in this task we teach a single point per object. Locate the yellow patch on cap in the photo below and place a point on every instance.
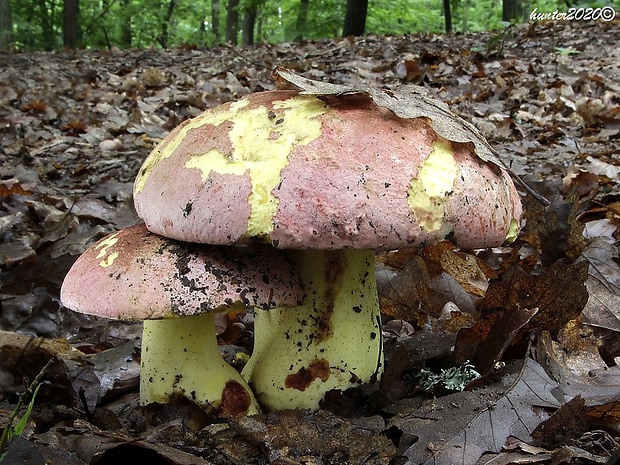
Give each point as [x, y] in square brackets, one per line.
[513, 231]
[262, 140]
[169, 144]
[427, 192]
[106, 256]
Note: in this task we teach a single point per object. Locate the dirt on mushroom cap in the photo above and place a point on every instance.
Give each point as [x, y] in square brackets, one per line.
[135, 275]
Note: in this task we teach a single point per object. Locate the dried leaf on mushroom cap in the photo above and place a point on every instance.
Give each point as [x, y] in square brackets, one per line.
[409, 102]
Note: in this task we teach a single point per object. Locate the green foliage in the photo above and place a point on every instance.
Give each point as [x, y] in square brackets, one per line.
[479, 15]
[11, 430]
[563, 51]
[271, 20]
[37, 25]
[324, 20]
[597, 4]
[106, 23]
[404, 16]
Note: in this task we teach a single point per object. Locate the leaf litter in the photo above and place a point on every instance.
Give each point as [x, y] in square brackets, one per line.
[537, 318]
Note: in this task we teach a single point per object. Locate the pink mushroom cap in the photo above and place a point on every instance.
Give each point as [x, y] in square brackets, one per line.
[136, 275]
[302, 172]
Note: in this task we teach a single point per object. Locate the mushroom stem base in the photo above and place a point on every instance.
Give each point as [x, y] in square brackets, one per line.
[180, 358]
[331, 341]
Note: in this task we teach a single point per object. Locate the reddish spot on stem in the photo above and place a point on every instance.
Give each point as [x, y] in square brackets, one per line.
[235, 400]
[304, 377]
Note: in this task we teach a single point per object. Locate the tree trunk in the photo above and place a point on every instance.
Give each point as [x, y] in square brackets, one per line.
[259, 26]
[215, 20]
[467, 9]
[447, 14]
[70, 24]
[6, 25]
[165, 25]
[46, 25]
[526, 7]
[249, 21]
[355, 18]
[126, 31]
[302, 16]
[232, 21]
[511, 10]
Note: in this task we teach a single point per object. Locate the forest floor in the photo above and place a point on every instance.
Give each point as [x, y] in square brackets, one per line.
[539, 319]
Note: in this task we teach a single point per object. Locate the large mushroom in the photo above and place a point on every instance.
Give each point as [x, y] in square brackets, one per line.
[177, 288]
[334, 179]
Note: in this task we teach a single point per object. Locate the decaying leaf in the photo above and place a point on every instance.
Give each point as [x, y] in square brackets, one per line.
[559, 295]
[403, 294]
[411, 294]
[14, 186]
[554, 229]
[567, 420]
[484, 343]
[23, 356]
[93, 445]
[459, 428]
[405, 102]
[409, 357]
[466, 270]
[106, 374]
[318, 436]
[579, 370]
[580, 179]
[604, 415]
[603, 307]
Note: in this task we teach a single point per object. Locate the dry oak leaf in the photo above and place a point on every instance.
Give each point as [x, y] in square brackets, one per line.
[485, 342]
[559, 295]
[457, 429]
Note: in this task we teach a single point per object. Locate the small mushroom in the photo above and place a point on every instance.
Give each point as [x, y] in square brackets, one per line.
[177, 288]
[335, 178]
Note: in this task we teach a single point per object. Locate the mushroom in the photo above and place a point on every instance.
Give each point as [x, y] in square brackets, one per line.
[177, 288]
[334, 179]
